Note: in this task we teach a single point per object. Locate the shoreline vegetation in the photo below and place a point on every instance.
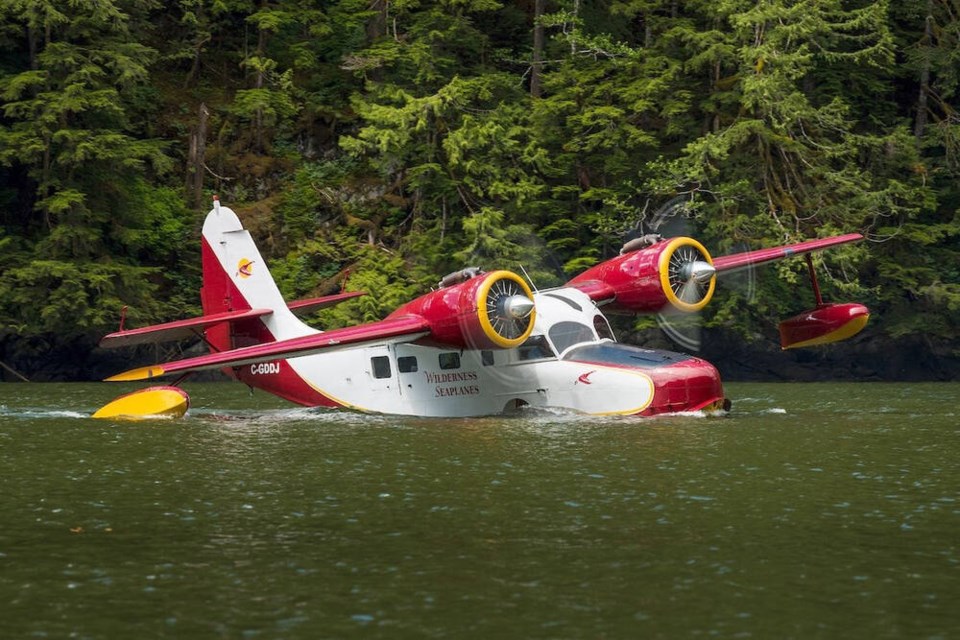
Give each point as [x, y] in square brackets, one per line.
[375, 146]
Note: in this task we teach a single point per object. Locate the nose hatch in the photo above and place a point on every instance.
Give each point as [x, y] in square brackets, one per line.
[689, 385]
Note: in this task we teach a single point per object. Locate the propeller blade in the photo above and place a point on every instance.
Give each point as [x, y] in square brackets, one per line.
[690, 291]
[682, 328]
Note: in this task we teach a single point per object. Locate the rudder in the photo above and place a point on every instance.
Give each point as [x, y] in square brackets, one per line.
[235, 277]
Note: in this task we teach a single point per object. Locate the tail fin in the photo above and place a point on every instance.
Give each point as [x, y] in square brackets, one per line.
[235, 278]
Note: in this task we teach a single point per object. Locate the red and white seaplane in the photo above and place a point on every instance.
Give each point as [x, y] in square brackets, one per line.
[481, 343]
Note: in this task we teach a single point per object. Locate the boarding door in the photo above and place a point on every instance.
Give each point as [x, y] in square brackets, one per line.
[381, 366]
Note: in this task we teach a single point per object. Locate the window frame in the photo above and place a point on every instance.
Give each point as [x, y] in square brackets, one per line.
[377, 370]
[450, 357]
[539, 341]
[403, 361]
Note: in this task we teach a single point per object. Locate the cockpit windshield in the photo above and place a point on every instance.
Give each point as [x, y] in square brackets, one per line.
[623, 355]
[566, 334]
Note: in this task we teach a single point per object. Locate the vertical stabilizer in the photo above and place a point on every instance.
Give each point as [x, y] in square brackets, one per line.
[235, 278]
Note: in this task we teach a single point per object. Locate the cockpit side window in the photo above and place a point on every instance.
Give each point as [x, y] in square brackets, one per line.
[566, 334]
[535, 348]
[603, 328]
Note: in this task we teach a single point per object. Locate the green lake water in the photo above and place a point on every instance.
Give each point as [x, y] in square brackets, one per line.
[810, 511]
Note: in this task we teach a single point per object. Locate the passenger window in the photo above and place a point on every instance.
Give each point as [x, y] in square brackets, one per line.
[380, 366]
[603, 328]
[450, 360]
[535, 348]
[486, 357]
[407, 364]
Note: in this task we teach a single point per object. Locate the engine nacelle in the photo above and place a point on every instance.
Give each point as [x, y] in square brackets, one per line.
[491, 310]
[674, 273]
[824, 324]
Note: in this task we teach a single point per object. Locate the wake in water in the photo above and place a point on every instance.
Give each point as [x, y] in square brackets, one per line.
[531, 416]
[34, 413]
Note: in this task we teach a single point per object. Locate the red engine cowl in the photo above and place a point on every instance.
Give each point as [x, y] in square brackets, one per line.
[491, 310]
[677, 272]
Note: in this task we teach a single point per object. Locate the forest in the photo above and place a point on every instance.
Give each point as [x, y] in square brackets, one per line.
[376, 145]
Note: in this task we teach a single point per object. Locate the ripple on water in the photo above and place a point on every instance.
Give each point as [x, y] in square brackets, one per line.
[267, 519]
[36, 413]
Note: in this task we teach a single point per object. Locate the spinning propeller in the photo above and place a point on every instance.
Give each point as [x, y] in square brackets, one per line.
[509, 308]
[689, 274]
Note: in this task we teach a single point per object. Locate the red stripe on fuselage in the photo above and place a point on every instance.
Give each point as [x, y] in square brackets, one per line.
[279, 378]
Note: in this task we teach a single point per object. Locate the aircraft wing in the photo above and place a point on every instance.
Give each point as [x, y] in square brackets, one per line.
[659, 272]
[192, 327]
[599, 291]
[176, 330]
[409, 327]
[738, 261]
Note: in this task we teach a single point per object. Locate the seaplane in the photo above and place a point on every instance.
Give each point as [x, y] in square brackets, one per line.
[479, 343]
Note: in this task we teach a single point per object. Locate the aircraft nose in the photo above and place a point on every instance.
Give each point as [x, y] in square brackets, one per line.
[688, 385]
[518, 306]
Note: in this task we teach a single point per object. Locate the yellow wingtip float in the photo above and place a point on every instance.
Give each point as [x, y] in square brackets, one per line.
[152, 402]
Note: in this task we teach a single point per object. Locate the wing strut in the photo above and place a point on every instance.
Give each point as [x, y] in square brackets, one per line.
[813, 280]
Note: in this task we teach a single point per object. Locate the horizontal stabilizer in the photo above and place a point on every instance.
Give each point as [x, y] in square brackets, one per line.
[737, 261]
[303, 307]
[176, 330]
[410, 327]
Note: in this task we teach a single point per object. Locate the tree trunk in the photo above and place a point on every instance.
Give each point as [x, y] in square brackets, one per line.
[258, 83]
[198, 150]
[198, 47]
[377, 26]
[536, 69]
[32, 45]
[921, 122]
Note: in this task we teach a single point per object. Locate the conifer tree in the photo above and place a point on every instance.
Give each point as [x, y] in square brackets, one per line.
[66, 128]
[787, 156]
[918, 269]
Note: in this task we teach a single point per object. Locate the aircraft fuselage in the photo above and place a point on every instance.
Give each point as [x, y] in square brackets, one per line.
[571, 361]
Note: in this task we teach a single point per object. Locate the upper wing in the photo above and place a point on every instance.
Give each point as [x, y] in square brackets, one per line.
[190, 328]
[599, 291]
[647, 276]
[737, 261]
[408, 327]
[176, 330]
